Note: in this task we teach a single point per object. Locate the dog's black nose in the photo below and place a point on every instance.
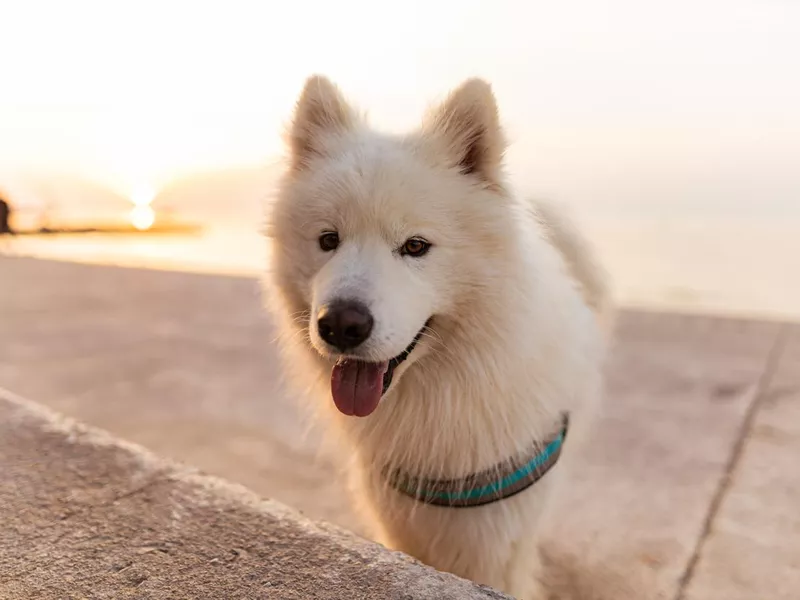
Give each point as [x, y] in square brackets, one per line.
[344, 325]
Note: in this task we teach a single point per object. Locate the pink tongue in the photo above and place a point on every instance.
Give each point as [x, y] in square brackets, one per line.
[357, 386]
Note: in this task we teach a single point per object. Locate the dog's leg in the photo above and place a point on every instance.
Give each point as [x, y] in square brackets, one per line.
[361, 493]
[523, 572]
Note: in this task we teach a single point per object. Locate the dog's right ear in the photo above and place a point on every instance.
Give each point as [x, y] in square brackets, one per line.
[321, 111]
[468, 124]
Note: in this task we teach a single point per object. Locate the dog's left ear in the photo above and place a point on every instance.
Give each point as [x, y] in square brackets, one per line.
[468, 124]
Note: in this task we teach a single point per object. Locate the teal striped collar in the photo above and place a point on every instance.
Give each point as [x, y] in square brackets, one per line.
[499, 482]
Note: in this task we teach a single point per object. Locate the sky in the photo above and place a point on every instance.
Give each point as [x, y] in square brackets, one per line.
[627, 105]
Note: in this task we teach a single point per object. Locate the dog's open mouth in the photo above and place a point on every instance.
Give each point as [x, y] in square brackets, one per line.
[357, 385]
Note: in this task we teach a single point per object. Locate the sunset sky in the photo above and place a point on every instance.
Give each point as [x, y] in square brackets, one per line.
[681, 101]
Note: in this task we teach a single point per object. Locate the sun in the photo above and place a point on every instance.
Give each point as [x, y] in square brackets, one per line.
[142, 217]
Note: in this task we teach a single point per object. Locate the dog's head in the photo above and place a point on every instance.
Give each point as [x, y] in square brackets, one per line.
[378, 238]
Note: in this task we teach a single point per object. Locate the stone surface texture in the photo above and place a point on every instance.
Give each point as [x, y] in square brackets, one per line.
[87, 516]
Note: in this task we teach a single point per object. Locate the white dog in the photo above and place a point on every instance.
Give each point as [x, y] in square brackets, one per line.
[452, 329]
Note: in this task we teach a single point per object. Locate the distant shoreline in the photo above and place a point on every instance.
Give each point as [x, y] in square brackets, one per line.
[112, 230]
[706, 266]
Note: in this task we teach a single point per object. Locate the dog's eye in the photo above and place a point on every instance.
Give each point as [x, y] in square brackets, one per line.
[329, 241]
[415, 247]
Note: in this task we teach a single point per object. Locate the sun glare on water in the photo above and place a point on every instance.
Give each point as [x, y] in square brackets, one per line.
[142, 216]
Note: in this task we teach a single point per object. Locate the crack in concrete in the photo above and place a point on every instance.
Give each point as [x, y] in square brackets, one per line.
[82, 509]
[726, 481]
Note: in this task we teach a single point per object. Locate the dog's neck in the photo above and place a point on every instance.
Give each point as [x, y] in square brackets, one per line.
[503, 480]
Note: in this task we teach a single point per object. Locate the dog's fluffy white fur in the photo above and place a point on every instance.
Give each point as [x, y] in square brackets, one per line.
[517, 302]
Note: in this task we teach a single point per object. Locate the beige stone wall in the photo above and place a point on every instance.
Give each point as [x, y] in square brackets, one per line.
[85, 515]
